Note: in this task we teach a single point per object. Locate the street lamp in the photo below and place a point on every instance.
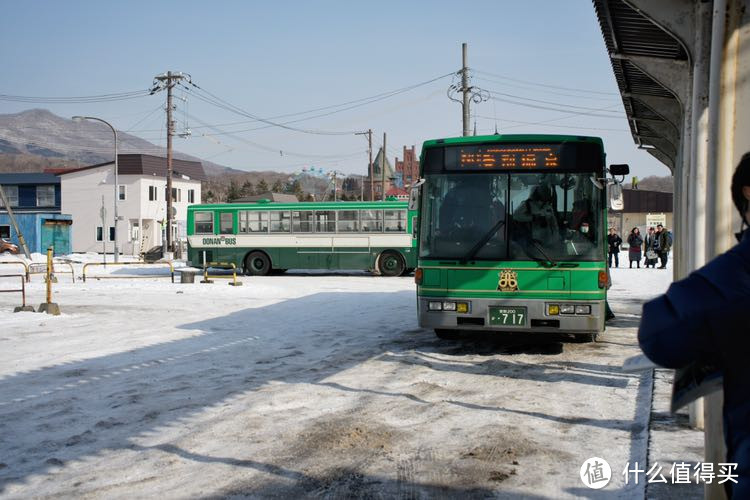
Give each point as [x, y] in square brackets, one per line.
[79, 119]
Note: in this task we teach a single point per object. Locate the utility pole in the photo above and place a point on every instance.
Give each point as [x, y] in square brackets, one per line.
[385, 162]
[465, 90]
[369, 165]
[12, 218]
[168, 81]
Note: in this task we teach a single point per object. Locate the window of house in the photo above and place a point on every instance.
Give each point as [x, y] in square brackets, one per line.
[280, 222]
[395, 221]
[99, 233]
[5, 232]
[325, 221]
[204, 223]
[226, 223]
[347, 221]
[191, 195]
[302, 222]
[121, 192]
[111, 233]
[152, 193]
[45, 196]
[11, 192]
[371, 220]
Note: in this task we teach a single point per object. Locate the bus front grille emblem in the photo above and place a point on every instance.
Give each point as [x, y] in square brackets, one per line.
[508, 281]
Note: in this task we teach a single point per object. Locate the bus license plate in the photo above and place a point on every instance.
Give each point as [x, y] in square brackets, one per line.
[508, 316]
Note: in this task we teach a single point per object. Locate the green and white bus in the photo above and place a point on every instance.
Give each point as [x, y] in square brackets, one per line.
[512, 234]
[266, 237]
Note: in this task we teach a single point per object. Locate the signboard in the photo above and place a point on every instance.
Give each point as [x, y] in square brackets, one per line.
[653, 220]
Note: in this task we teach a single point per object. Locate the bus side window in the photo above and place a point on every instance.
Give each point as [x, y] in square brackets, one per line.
[371, 221]
[302, 222]
[204, 223]
[325, 221]
[347, 221]
[257, 222]
[280, 222]
[242, 221]
[395, 221]
[226, 223]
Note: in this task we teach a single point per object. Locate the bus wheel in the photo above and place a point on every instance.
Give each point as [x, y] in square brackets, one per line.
[447, 334]
[257, 264]
[391, 264]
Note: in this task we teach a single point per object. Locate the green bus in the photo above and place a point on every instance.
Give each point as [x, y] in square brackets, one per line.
[512, 234]
[264, 237]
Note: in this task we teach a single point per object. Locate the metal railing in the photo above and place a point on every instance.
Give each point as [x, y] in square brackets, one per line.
[221, 265]
[21, 290]
[41, 268]
[19, 263]
[130, 276]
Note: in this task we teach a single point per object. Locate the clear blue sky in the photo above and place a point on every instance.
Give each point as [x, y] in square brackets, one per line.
[273, 58]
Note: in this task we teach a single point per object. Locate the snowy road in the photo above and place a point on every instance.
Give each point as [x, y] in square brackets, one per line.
[316, 385]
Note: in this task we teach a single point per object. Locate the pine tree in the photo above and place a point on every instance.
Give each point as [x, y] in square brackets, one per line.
[234, 192]
[248, 189]
[262, 187]
[209, 196]
[278, 187]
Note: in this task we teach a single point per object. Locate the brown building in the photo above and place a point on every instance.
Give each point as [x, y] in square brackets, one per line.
[376, 181]
[408, 168]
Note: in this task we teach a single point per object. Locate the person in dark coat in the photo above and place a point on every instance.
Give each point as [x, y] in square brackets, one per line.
[664, 245]
[649, 248]
[704, 319]
[634, 250]
[614, 241]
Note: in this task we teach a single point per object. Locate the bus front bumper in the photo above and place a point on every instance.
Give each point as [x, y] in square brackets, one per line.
[536, 317]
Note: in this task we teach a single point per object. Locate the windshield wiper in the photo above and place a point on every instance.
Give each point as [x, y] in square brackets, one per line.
[483, 241]
[538, 246]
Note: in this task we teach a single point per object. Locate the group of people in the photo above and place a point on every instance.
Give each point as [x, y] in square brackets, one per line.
[655, 246]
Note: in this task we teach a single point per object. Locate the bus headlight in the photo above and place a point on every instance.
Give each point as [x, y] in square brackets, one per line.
[463, 307]
[553, 309]
[449, 306]
[567, 309]
[583, 309]
[434, 306]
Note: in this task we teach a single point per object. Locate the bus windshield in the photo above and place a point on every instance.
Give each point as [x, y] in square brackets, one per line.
[511, 216]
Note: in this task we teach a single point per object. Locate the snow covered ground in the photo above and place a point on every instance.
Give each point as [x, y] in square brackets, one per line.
[306, 384]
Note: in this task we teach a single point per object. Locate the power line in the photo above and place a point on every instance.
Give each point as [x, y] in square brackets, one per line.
[546, 85]
[547, 108]
[585, 108]
[75, 100]
[553, 92]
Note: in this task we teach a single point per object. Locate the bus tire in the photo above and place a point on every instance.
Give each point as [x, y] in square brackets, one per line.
[443, 334]
[257, 264]
[391, 263]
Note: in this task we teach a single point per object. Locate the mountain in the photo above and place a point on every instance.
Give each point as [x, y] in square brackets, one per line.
[36, 139]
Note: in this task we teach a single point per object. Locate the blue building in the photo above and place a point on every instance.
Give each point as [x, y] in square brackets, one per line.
[35, 200]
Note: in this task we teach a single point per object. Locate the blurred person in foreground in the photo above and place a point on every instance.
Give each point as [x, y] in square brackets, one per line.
[705, 318]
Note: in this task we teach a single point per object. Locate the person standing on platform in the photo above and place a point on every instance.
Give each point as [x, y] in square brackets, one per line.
[614, 241]
[635, 241]
[665, 245]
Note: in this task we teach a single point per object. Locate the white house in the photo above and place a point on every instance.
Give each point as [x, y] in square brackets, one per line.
[142, 203]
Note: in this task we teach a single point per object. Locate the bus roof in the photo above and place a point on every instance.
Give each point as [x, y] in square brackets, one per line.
[510, 138]
[303, 205]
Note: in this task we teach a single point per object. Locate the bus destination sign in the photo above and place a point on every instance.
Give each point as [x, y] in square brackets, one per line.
[510, 156]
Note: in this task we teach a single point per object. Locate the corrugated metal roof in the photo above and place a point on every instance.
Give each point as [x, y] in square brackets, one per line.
[629, 35]
[28, 178]
[138, 164]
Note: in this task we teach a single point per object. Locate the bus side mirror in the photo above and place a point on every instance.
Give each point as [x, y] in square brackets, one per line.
[414, 195]
[616, 198]
[619, 169]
